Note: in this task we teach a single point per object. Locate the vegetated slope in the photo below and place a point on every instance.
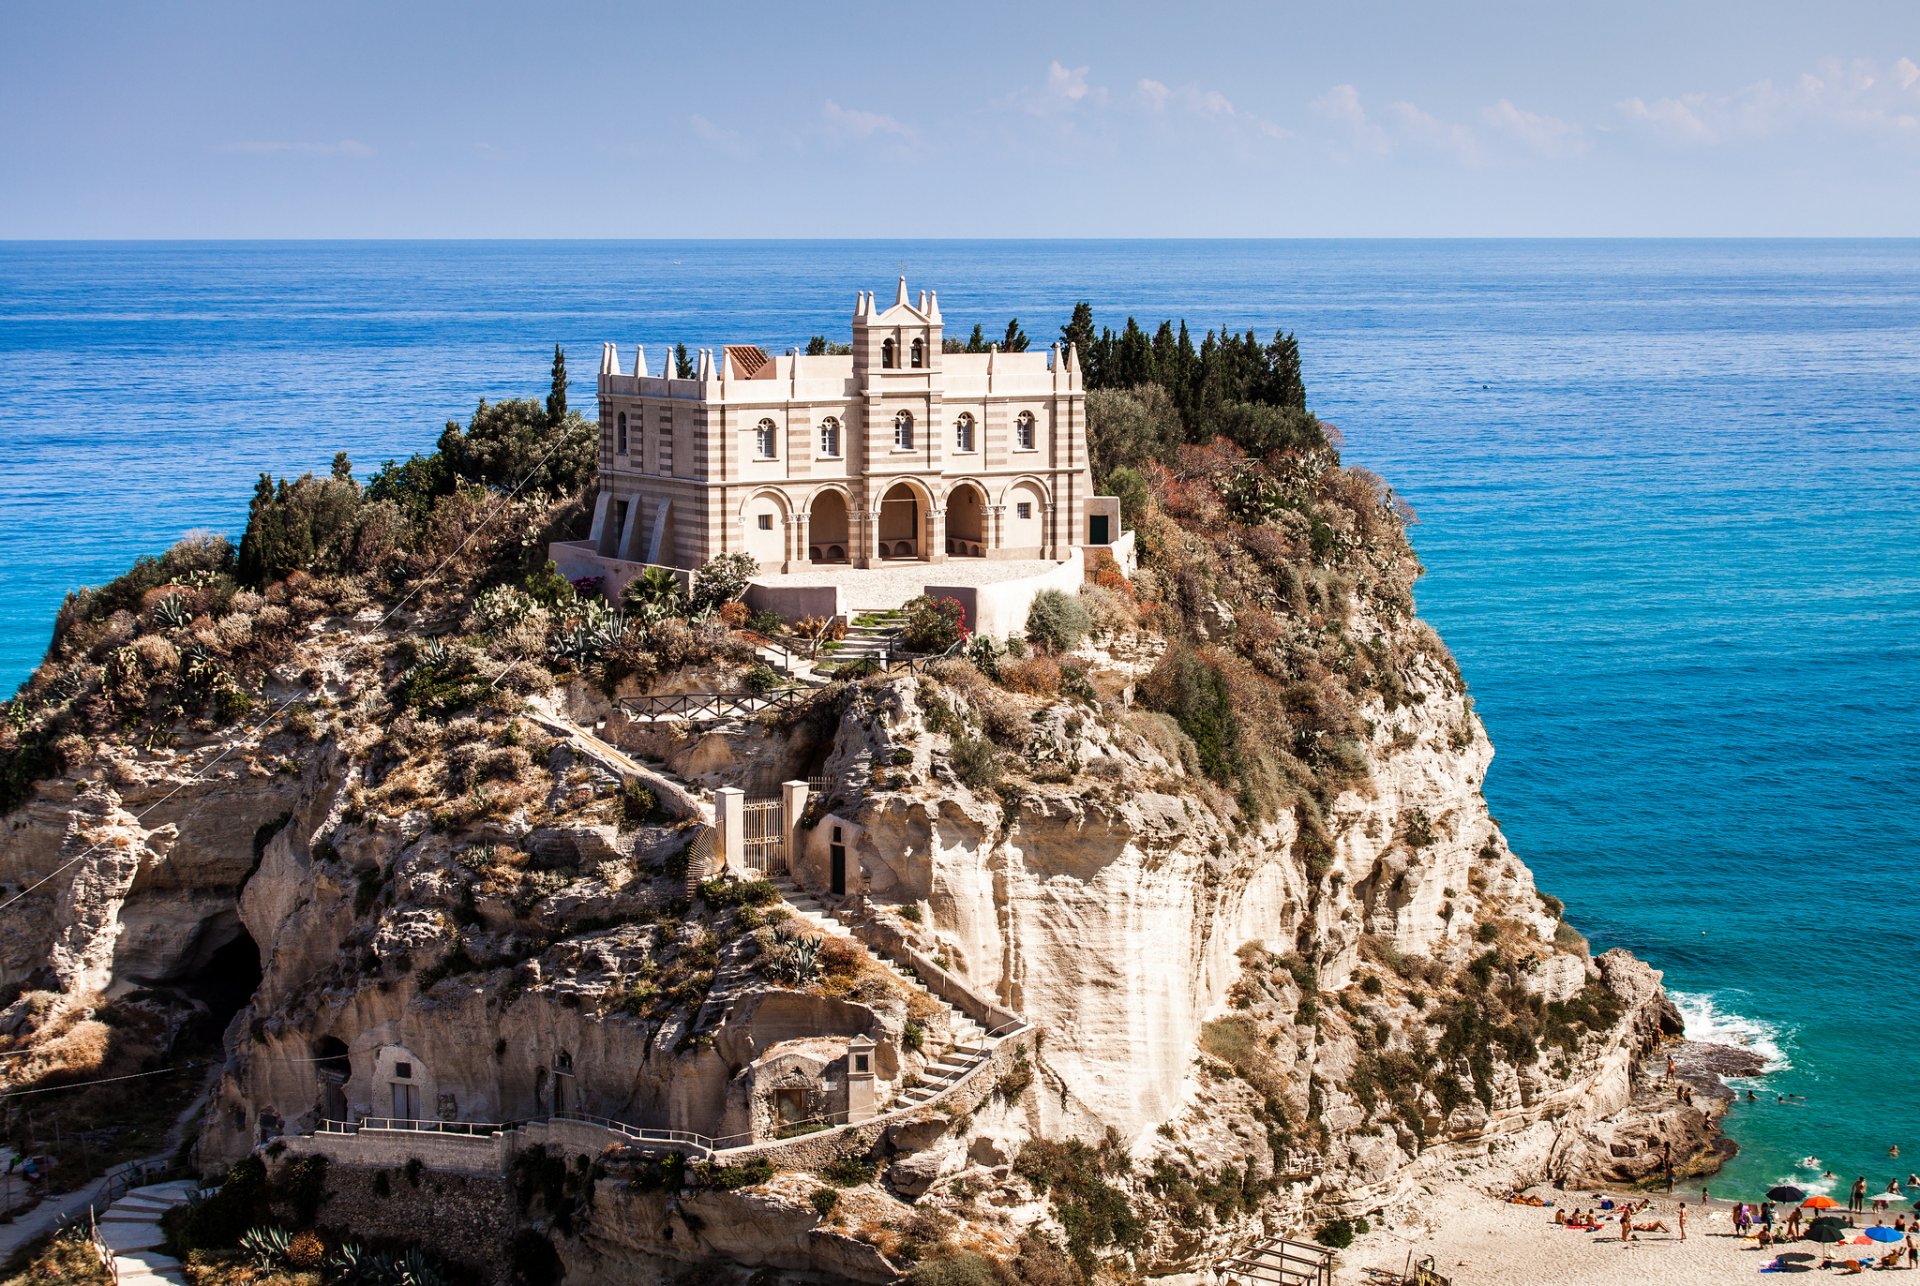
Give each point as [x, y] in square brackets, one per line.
[1216, 829]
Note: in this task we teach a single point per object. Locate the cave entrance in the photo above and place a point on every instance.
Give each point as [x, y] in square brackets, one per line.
[227, 981]
[332, 1070]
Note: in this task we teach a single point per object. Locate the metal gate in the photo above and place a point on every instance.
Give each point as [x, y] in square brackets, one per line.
[764, 837]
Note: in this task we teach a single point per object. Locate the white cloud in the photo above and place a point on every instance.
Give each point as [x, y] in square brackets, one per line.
[854, 123]
[1856, 95]
[1423, 130]
[729, 141]
[1209, 105]
[345, 147]
[1547, 135]
[1064, 91]
[1341, 108]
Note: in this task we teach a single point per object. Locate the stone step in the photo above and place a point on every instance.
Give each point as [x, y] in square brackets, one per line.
[146, 1262]
[128, 1234]
[128, 1206]
[177, 1190]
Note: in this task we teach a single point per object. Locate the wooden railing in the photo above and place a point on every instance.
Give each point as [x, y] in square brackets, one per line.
[694, 707]
[1280, 1262]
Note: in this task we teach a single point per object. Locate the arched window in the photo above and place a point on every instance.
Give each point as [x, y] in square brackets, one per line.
[620, 437]
[1023, 432]
[903, 431]
[963, 433]
[919, 354]
[886, 355]
[830, 438]
[765, 438]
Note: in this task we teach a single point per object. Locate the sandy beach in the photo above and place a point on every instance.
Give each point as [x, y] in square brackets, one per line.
[1478, 1240]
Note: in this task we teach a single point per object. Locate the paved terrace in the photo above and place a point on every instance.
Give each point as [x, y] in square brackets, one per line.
[890, 585]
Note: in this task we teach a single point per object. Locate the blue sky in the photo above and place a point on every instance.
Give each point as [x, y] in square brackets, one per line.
[1355, 118]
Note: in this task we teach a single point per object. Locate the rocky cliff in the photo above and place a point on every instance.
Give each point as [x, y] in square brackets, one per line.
[1216, 833]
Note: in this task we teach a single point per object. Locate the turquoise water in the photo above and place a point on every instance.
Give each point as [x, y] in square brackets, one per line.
[1667, 493]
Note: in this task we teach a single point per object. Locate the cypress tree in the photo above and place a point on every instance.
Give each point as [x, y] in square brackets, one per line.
[342, 467]
[1133, 360]
[557, 395]
[1016, 340]
[1078, 332]
[252, 563]
[977, 342]
[682, 367]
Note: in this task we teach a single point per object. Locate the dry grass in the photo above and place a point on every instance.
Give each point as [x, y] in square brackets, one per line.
[68, 1258]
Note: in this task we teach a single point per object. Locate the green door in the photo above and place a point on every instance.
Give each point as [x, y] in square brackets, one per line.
[1097, 530]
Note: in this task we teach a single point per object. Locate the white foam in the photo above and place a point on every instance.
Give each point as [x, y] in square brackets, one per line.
[1706, 1021]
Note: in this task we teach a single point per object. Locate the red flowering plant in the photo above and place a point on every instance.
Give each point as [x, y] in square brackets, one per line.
[934, 624]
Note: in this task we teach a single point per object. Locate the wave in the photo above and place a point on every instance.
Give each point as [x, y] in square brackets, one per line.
[1706, 1021]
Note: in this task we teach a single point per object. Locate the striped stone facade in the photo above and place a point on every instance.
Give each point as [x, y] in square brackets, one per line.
[895, 452]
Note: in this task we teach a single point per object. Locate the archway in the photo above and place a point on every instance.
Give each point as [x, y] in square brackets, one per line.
[1024, 520]
[900, 515]
[966, 522]
[827, 529]
[765, 519]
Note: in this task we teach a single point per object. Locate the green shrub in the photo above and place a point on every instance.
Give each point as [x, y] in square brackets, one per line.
[720, 581]
[1196, 695]
[1093, 1212]
[1339, 1233]
[824, 1201]
[961, 1268]
[848, 1171]
[933, 624]
[638, 804]
[219, 1221]
[1057, 621]
[726, 1178]
[761, 679]
[975, 762]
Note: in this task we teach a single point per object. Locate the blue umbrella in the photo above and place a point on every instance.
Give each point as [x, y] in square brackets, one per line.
[1880, 1232]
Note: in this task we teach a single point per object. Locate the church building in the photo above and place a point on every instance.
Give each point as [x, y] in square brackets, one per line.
[898, 452]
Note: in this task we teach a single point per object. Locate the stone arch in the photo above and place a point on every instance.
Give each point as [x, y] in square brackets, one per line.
[900, 528]
[967, 529]
[763, 522]
[887, 351]
[830, 526]
[1024, 535]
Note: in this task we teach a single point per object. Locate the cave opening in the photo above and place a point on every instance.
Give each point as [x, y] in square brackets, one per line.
[226, 982]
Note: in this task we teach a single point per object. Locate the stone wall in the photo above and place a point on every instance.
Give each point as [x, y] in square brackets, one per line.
[466, 1218]
[466, 1153]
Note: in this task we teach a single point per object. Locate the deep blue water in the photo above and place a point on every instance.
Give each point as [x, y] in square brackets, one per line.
[1667, 493]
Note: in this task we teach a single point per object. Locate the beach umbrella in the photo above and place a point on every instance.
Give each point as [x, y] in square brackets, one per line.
[1821, 1202]
[1891, 1198]
[1825, 1231]
[1880, 1232]
[1786, 1192]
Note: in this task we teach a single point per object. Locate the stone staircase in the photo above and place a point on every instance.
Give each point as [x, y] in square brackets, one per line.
[130, 1229]
[795, 666]
[967, 1042]
[870, 633]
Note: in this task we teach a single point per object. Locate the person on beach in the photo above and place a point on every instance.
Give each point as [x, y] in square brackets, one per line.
[1857, 1197]
[1626, 1222]
[1669, 1067]
[1740, 1220]
[1793, 1223]
[1683, 1221]
[1766, 1216]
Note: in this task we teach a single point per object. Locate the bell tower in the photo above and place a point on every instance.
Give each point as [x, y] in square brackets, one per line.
[900, 345]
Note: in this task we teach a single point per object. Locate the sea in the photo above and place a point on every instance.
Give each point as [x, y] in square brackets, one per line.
[1667, 494]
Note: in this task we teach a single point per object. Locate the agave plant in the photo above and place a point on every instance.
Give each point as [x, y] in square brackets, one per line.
[268, 1246]
[585, 642]
[433, 654]
[799, 962]
[172, 612]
